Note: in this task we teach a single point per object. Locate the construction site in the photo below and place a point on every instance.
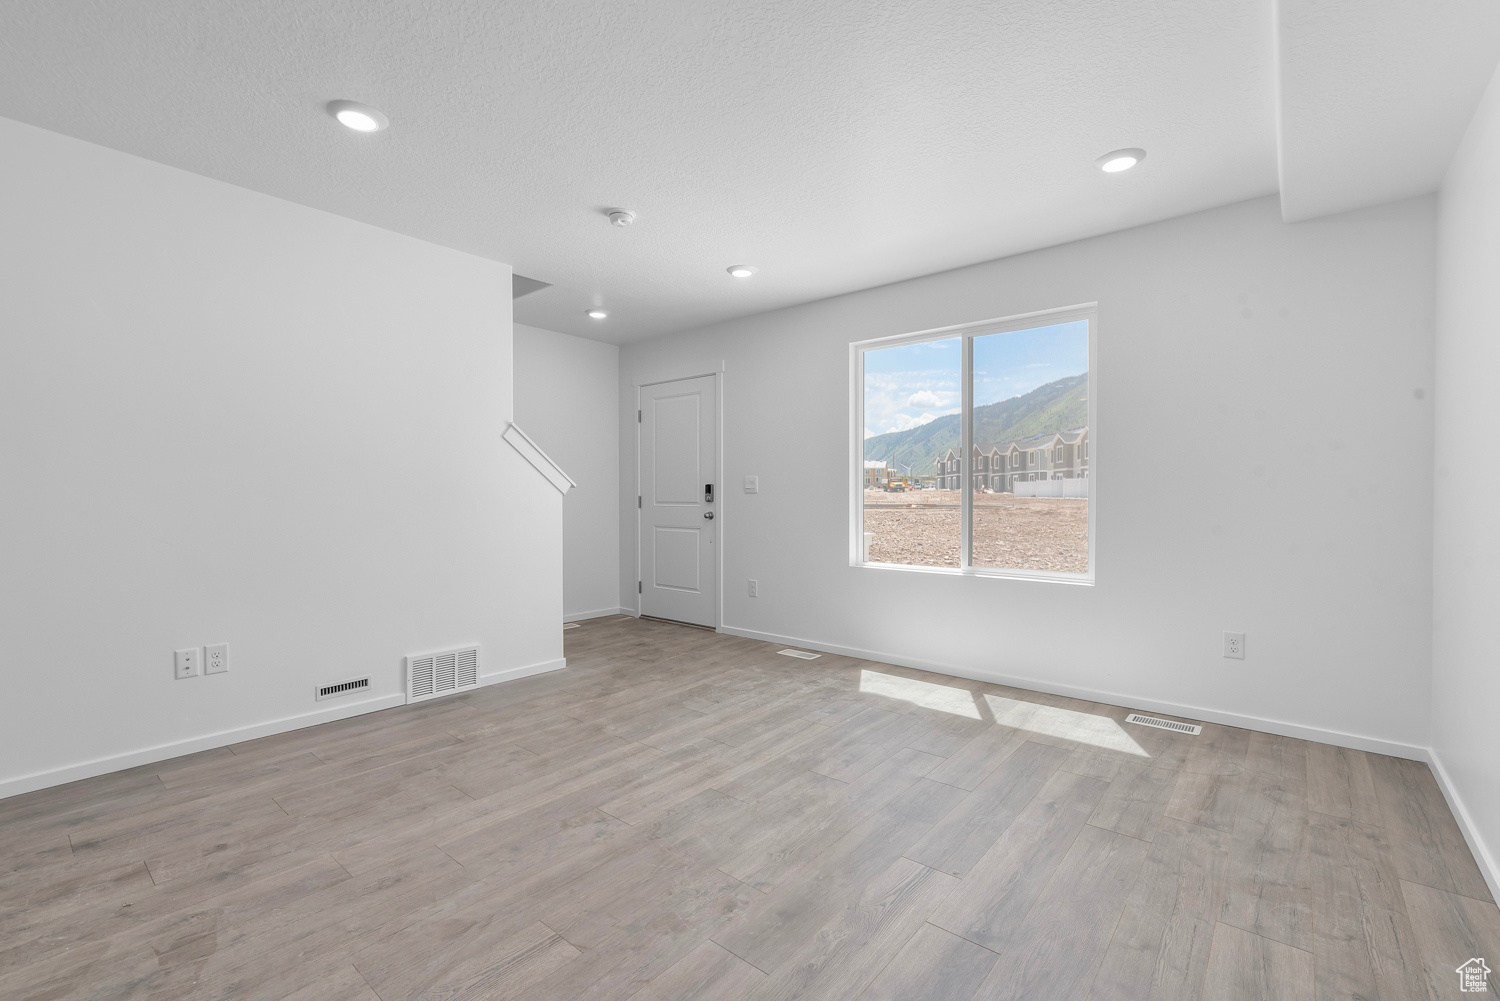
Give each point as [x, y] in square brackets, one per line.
[924, 528]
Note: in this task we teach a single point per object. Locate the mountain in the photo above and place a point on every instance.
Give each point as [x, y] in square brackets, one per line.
[1057, 406]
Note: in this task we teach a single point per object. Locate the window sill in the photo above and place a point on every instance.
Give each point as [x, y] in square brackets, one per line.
[1045, 576]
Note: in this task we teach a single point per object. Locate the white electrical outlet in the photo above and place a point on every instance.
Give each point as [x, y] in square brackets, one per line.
[216, 659]
[1234, 646]
[752, 484]
[754, 588]
[187, 662]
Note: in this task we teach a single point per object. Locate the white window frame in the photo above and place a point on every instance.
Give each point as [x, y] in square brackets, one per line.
[966, 332]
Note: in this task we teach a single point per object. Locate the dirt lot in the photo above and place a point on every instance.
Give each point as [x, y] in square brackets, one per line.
[1017, 533]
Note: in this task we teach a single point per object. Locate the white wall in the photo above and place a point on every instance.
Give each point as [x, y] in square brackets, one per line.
[1466, 542]
[229, 418]
[1291, 352]
[568, 401]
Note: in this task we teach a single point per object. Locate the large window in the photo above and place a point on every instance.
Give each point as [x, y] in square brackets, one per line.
[930, 411]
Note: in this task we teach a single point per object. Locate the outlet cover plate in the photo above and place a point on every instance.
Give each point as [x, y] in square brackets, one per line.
[1234, 646]
[216, 659]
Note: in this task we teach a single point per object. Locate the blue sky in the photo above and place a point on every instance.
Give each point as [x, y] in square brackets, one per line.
[909, 385]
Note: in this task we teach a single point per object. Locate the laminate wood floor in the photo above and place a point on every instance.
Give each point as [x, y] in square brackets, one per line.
[683, 815]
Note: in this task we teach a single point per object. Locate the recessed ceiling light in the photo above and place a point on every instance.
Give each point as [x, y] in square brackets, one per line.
[597, 314]
[1120, 159]
[359, 117]
[742, 270]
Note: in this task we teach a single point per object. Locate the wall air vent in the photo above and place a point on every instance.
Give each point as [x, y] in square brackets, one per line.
[431, 675]
[1164, 724]
[342, 688]
[799, 654]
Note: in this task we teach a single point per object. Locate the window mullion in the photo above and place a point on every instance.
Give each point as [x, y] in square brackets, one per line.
[857, 518]
[966, 449]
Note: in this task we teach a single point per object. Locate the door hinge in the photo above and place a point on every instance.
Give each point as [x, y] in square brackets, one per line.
[639, 589]
[637, 500]
[638, 417]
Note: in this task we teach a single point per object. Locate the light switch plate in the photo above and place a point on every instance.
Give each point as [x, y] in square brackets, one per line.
[752, 484]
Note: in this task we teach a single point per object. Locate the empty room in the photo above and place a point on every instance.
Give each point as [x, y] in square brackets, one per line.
[684, 501]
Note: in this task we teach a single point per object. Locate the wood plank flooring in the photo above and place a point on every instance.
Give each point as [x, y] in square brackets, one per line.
[682, 815]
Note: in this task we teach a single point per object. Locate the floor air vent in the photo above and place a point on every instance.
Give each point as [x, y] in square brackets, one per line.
[343, 688]
[799, 654]
[431, 675]
[1164, 724]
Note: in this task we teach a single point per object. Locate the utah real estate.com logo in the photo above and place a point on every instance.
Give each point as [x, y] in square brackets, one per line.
[1473, 976]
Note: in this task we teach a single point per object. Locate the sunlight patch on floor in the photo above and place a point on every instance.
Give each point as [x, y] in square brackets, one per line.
[1086, 728]
[944, 698]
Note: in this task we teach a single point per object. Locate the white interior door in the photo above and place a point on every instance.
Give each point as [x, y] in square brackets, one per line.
[679, 501]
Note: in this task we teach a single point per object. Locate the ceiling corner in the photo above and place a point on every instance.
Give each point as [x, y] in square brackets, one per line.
[1374, 96]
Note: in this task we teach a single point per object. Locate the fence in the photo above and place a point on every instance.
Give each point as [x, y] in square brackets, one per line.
[1077, 487]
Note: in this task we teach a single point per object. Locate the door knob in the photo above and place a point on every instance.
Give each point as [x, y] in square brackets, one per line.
[709, 515]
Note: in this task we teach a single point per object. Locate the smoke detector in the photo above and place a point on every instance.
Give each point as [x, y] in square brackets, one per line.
[621, 217]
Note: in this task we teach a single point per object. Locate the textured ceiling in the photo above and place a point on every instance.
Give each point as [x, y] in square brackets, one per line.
[835, 144]
[1375, 95]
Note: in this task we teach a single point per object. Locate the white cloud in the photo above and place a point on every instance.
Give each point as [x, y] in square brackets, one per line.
[869, 433]
[897, 401]
[905, 422]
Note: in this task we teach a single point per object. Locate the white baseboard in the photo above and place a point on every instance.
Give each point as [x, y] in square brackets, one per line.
[597, 614]
[223, 738]
[1359, 742]
[1477, 847]
[523, 672]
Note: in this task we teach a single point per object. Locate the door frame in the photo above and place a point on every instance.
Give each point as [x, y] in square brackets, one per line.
[719, 519]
